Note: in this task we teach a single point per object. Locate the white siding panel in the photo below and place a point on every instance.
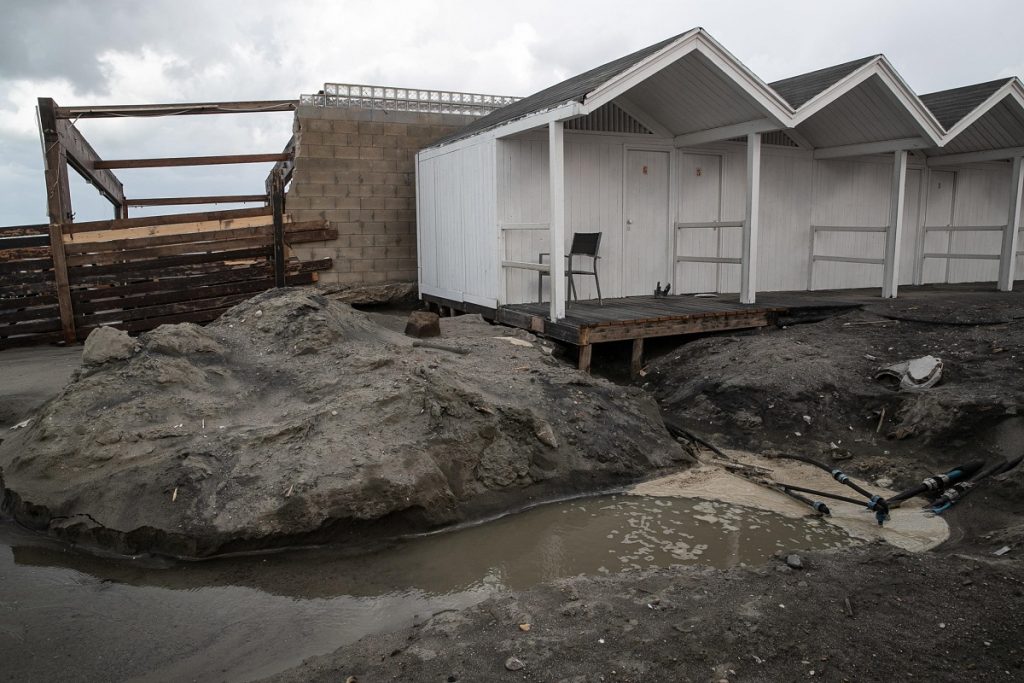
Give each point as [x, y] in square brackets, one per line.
[457, 224]
[786, 180]
[850, 193]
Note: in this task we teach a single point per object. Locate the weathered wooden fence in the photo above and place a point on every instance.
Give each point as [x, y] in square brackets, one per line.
[60, 281]
[138, 273]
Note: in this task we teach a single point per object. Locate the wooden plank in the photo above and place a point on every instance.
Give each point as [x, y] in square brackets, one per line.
[173, 308]
[16, 230]
[202, 316]
[51, 312]
[174, 238]
[30, 339]
[282, 169]
[172, 219]
[314, 230]
[55, 166]
[636, 359]
[25, 253]
[27, 301]
[24, 242]
[185, 290]
[213, 160]
[671, 328]
[188, 201]
[60, 276]
[138, 255]
[585, 355]
[83, 279]
[26, 265]
[277, 203]
[161, 263]
[100, 294]
[32, 327]
[83, 158]
[180, 109]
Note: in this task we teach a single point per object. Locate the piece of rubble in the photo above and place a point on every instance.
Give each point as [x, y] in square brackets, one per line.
[918, 374]
[423, 324]
[106, 344]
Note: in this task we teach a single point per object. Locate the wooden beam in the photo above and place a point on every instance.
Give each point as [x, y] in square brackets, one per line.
[277, 202]
[285, 168]
[976, 157]
[725, 132]
[866, 148]
[55, 164]
[893, 236]
[192, 161]
[210, 199]
[151, 221]
[556, 230]
[82, 157]
[60, 274]
[748, 255]
[1008, 254]
[182, 109]
[583, 362]
[636, 359]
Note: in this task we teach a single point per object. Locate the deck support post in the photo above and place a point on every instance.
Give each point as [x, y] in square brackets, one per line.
[893, 236]
[1008, 255]
[584, 360]
[636, 360]
[748, 257]
[556, 226]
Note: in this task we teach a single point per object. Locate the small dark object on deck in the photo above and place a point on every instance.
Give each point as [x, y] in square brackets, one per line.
[423, 324]
[659, 292]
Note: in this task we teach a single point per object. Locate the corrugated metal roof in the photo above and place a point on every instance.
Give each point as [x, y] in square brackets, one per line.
[950, 106]
[798, 90]
[575, 88]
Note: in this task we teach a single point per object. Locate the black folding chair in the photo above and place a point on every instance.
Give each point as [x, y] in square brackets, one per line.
[583, 244]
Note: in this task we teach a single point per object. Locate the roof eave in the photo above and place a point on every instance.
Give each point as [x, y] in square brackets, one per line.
[695, 40]
[1013, 88]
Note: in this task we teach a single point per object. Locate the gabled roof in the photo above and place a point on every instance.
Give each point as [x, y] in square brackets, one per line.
[951, 106]
[797, 90]
[571, 89]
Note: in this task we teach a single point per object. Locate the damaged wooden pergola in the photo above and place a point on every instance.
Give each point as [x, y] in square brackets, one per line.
[60, 280]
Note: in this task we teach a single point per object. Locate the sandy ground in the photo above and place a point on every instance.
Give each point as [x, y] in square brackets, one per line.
[908, 528]
[31, 376]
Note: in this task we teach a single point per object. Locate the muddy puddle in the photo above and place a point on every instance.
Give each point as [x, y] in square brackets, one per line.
[65, 615]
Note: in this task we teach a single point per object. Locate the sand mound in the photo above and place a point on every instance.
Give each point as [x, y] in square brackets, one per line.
[294, 418]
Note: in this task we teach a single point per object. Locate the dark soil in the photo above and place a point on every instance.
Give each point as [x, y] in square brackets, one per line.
[955, 613]
[926, 617]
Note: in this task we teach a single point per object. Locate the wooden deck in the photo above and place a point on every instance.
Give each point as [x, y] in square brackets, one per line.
[637, 318]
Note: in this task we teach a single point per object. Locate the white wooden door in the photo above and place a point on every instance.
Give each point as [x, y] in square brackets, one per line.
[646, 217]
[700, 201]
[938, 212]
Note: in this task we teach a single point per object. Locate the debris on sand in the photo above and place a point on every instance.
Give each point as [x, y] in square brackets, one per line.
[919, 374]
[295, 418]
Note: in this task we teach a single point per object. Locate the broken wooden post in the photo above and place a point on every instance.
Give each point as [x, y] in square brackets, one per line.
[58, 205]
[277, 200]
[636, 361]
[584, 359]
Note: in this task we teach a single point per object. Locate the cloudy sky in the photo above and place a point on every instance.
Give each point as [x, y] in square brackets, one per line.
[108, 52]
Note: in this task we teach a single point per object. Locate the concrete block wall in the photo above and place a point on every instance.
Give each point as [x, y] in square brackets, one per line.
[355, 168]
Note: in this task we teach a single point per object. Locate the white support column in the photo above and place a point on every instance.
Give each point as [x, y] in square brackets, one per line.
[748, 257]
[1008, 255]
[897, 197]
[556, 226]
